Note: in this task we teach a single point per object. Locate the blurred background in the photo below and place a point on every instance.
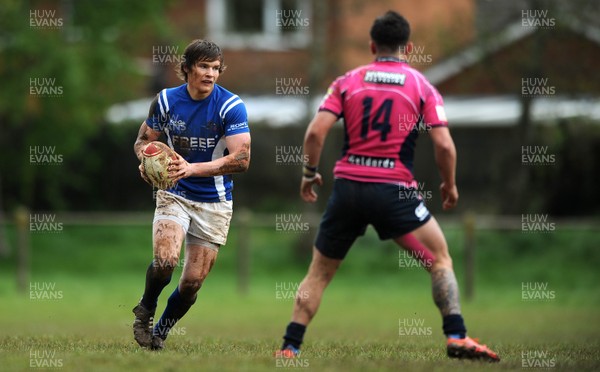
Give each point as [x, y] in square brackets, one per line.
[78, 76]
[522, 95]
[519, 81]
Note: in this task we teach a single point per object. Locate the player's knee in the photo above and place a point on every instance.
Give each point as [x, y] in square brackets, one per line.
[189, 287]
[442, 260]
[165, 258]
[165, 264]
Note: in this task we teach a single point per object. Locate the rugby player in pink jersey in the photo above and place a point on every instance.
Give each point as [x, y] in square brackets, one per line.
[383, 105]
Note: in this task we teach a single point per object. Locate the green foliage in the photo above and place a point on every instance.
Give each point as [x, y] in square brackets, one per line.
[88, 60]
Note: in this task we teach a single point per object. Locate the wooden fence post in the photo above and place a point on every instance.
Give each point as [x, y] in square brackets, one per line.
[243, 254]
[22, 225]
[4, 250]
[469, 236]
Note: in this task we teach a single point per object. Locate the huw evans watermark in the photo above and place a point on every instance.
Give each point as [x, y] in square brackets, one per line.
[537, 359]
[44, 359]
[291, 19]
[413, 122]
[44, 291]
[537, 291]
[290, 155]
[44, 19]
[537, 18]
[289, 86]
[164, 260]
[540, 223]
[44, 155]
[181, 193]
[418, 56]
[413, 327]
[173, 330]
[282, 360]
[537, 87]
[291, 222]
[537, 155]
[413, 260]
[174, 125]
[45, 87]
[289, 291]
[166, 55]
[416, 191]
[44, 223]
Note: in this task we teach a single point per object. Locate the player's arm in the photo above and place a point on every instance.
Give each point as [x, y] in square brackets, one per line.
[145, 136]
[237, 161]
[314, 139]
[445, 158]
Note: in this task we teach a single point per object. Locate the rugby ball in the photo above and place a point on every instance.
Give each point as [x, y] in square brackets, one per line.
[156, 157]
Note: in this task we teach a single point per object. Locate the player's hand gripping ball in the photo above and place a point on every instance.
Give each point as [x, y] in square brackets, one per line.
[156, 157]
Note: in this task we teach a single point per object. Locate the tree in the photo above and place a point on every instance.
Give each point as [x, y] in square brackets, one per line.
[62, 63]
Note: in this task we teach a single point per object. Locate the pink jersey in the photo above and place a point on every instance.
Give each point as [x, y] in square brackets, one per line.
[384, 105]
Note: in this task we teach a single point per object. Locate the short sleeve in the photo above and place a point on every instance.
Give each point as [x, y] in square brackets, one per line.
[433, 112]
[157, 116]
[332, 101]
[236, 118]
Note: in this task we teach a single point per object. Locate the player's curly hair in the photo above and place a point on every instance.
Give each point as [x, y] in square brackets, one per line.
[390, 32]
[199, 50]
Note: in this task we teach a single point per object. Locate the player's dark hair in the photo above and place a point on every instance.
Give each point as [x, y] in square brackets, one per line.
[390, 32]
[199, 50]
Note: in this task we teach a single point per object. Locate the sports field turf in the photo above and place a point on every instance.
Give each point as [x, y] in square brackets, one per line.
[374, 317]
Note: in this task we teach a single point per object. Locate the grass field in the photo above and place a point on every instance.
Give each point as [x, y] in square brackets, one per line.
[374, 317]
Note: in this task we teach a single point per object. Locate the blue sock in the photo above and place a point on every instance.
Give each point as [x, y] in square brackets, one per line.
[176, 308]
[454, 326]
[294, 334]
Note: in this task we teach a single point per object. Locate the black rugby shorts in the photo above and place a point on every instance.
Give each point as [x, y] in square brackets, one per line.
[392, 210]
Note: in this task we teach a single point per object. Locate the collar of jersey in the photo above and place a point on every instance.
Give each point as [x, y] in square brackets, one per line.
[198, 100]
[389, 59]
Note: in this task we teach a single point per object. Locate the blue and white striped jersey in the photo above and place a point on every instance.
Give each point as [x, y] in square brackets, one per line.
[196, 130]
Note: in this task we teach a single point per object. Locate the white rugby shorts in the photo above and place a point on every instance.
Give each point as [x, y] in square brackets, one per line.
[204, 224]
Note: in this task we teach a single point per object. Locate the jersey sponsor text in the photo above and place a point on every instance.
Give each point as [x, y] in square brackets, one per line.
[382, 77]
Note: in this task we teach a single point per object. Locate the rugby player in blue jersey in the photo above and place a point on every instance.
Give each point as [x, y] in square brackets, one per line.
[208, 127]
